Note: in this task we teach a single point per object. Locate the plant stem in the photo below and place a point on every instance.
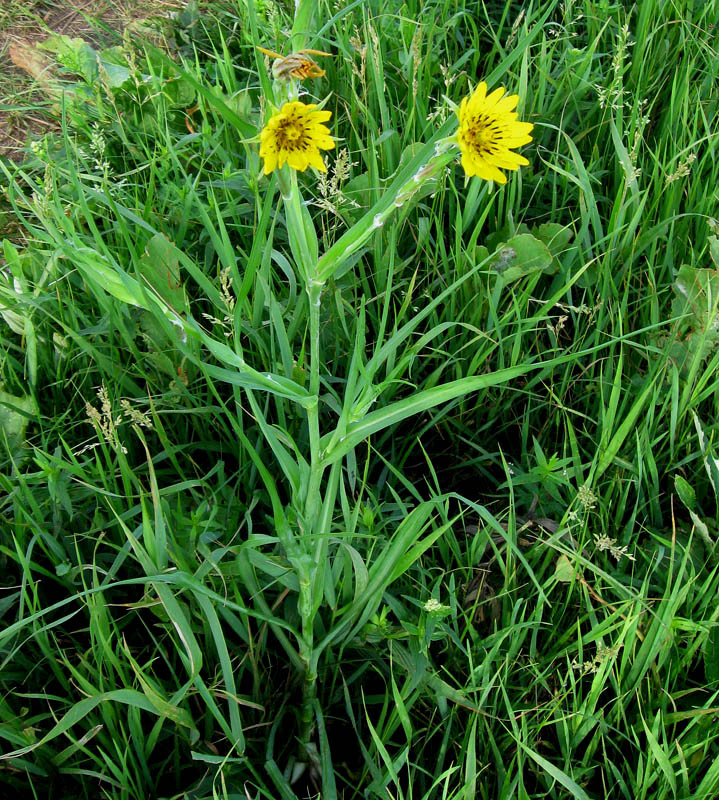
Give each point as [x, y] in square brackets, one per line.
[314, 291]
[312, 504]
[304, 246]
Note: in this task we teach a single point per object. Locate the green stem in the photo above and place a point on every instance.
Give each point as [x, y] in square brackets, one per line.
[313, 499]
[304, 11]
[303, 243]
[309, 693]
[304, 247]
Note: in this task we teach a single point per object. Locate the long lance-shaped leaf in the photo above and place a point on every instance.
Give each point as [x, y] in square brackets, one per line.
[609, 451]
[208, 609]
[356, 237]
[249, 378]
[429, 398]
[127, 289]
[410, 406]
[246, 376]
[557, 774]
[80, 710]
[302, 26]
[405, 547]
[175, 579]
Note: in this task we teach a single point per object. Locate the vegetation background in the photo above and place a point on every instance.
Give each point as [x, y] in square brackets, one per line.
[536, 562]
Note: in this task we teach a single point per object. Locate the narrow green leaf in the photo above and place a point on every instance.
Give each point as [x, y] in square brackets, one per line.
[80, 710]
[686, 493]
[711, 655]
[228, 673]
[561, 777]
[418, 402]
[660, 756]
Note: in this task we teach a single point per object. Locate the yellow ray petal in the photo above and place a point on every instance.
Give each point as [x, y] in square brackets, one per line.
[508, 160]
[324, 142]
[316, 160]
[490, 173]
[493, 99]
[297, 159]
[270, 162]
[515, 141]
[479, 93]
[507, 104]
[468, 165]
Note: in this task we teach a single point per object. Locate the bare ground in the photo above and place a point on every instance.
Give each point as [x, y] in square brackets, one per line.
[23, 22]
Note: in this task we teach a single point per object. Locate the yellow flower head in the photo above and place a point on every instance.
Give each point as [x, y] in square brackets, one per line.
[295, 134]
[488, 128]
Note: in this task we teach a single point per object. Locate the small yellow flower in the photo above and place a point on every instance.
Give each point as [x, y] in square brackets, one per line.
[295, 134]
[488, 128]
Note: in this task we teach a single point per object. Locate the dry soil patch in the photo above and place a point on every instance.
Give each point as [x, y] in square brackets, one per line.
[24, 22]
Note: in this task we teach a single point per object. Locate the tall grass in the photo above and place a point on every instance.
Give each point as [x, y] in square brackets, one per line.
[509, 592]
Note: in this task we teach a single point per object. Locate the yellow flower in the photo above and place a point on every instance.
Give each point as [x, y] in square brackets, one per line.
[488, 128]
[295, 134]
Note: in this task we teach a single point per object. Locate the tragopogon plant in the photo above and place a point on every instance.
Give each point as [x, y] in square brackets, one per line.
[334, 413]
[291, 141]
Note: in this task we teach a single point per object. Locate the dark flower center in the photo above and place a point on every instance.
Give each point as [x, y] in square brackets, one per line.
[291, 134]
[482, 134]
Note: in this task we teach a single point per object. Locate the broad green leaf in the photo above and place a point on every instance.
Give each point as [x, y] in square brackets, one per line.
[115, 64]
[554, 235]
[697, 296]
[159, 266]
[557, 237]
[15, 321]
[481, 254]
[711, 462]
[73, 53]
[702, 530]
[519, 256]
[688, 497]
[15, 413]
[564, 570]
[714, 249]
[179, 91]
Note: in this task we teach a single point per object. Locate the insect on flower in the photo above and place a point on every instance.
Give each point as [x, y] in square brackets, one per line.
[295, 65]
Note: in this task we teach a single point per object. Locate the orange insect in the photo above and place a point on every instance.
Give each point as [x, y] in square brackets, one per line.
[295, 65]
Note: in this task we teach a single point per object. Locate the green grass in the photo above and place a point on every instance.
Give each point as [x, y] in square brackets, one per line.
[167, 594]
